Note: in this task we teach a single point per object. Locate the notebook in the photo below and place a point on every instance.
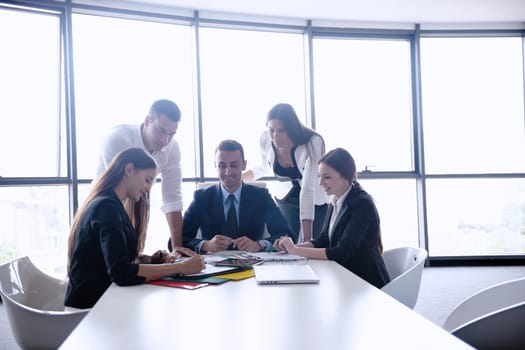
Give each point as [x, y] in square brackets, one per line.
[284, 274]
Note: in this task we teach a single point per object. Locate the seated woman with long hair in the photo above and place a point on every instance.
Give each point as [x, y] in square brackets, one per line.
[351, 233]
[109, 231]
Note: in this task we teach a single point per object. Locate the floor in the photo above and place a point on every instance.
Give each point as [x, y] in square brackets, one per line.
[442, 288]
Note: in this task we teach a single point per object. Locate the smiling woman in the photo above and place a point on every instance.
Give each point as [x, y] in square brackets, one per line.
[351, 235]
[109, 231]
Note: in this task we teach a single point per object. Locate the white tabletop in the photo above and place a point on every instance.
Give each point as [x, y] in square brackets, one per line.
[341, 312]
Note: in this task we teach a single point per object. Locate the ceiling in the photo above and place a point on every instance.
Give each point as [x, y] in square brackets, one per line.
[397, 11]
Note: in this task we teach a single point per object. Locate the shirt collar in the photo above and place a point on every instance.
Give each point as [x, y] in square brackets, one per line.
[236, 194]
[339, 201]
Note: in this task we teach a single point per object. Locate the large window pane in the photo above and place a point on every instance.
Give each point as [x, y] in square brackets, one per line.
[158, 230]
[244, 73]
[121, 68]
[363, 100]
[396, 203]
[30, 95]
[34, 221]
[473, 105]
[476, 216]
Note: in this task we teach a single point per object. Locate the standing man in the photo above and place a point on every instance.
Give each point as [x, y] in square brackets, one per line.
[155, 136]
[232, 214]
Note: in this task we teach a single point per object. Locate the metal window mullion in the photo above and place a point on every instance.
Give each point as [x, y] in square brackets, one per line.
[72, 173]
[418, 139]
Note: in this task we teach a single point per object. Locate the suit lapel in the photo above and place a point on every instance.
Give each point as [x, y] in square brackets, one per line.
[341, 215]
[217, 207]
[243, 210]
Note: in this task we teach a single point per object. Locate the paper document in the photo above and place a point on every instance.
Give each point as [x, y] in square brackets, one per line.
[278, 257]
[266, 256]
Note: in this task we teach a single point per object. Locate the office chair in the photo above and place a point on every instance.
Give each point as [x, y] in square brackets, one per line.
[34, 305]
[405, 268]
[492, 318]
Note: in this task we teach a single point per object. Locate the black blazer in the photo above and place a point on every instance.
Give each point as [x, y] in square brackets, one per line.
[256, 209]
[356, 238]
[104, 249]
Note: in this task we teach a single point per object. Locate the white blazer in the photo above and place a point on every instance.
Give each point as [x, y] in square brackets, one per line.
[307, 157]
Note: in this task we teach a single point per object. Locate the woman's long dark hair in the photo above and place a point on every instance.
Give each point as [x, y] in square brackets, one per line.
[297, 132]
[138, 211]
[342, 161]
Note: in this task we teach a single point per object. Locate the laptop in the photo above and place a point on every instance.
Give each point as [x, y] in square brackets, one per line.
[284, 274]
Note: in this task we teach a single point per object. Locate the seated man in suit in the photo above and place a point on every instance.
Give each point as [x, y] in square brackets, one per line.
[232, 214]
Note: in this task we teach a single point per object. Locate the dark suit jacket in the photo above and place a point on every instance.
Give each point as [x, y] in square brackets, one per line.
[104, 248]
[356, 238]
[256, 209]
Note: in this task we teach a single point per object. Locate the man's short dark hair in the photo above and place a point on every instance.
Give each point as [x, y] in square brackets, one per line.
[165, 107]
[230, 146]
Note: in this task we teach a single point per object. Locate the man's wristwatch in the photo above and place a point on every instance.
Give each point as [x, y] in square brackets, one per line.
[263, 244]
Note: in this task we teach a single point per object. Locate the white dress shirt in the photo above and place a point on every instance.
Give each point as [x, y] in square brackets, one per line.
[307, 157]
[168, 159]
[337, 204]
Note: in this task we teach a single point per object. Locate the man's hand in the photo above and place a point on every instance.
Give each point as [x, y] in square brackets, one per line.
[178, 251]
[284, 243]
[246, 244]
[162, 257]
[217, 243]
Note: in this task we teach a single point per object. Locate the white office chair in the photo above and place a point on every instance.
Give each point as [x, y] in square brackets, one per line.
[34, 305]
[405, 268]
[491, 318]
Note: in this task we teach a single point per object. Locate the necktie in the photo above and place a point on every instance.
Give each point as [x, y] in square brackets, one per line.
[231, 219]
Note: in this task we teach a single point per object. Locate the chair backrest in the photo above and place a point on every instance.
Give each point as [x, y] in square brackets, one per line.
[405, 268]
[486, 301]
[27, 285]
[34, 304]
[206, 184]
[501, 329]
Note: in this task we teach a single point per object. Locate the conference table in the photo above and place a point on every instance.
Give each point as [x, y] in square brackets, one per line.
[340, 312]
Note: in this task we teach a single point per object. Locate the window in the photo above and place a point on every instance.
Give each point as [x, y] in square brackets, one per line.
[476, 217]
[30, 66]
[121, 68]
[33, 218]
[395, 200]
[245, 73]
[363, 100]
[34, 221]
[472, 92]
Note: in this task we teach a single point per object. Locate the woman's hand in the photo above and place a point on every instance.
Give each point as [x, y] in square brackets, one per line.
[192, 265]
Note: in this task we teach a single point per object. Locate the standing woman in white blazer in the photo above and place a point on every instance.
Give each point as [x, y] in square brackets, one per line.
[292, 151]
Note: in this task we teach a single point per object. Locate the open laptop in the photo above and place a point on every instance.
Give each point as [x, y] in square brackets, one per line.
[284, 274]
